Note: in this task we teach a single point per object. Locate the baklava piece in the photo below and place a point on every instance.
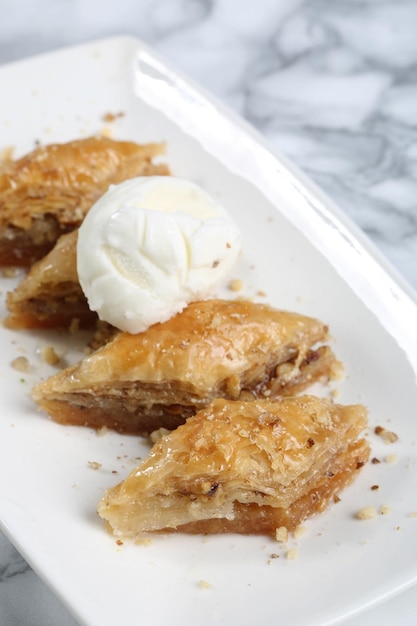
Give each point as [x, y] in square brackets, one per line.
[243, 467]
[215, 348]
[48, 192]
[50, 294]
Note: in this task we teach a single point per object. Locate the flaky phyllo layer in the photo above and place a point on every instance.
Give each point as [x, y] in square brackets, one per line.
[216, 348]
[246, 467]
[48, 192]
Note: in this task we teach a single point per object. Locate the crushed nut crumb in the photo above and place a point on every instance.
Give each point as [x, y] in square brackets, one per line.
[236, 284]
[299, 531]
[94, 465]
[367, 512]
[49, 355]
[156, 435]
[9, 272]
[111, 117]
[391, 458]
[281, 534]
[386, 435]
[21, 364]
[203, 584]
[292, 554]
[385, 509]
[106, 131]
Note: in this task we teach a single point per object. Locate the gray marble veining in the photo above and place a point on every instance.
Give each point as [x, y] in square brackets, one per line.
[332, 84]
[24, 599]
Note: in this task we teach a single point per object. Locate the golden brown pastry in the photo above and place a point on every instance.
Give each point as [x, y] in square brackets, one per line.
[245, 467]
[50, 294]
[216, 348]
[48, 192]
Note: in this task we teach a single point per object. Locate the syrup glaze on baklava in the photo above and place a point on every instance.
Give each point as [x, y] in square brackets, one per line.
[214, 348]
[47, 192]
[244, 467]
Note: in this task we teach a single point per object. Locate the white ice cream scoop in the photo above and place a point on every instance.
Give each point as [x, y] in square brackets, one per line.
[150, 246]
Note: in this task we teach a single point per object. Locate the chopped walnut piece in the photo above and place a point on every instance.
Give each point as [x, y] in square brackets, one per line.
[49, 355]
[284, 369]
[386, 435]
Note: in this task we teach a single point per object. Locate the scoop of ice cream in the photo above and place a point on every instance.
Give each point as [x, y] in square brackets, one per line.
[150, 246]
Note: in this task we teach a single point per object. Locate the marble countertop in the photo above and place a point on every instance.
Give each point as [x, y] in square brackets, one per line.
[332, 84]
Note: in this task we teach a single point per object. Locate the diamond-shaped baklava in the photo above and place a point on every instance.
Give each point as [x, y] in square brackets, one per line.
[214, 348]
[50, 295]
[48, 191]
[245, 467]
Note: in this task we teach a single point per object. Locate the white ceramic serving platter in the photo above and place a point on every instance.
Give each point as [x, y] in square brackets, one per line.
[300, 253]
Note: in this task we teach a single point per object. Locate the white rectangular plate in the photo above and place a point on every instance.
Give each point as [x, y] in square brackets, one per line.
[303, 255]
